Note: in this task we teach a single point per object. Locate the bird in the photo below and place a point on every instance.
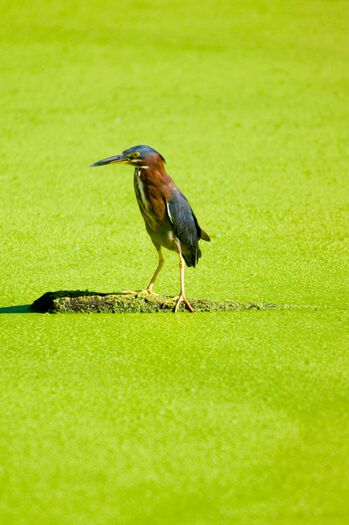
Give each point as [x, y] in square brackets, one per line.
[168, 216]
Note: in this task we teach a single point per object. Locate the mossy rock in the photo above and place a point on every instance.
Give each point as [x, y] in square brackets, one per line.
[77, 301]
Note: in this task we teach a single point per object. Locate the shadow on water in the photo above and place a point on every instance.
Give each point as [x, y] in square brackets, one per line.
[17, 309]
[45, 302]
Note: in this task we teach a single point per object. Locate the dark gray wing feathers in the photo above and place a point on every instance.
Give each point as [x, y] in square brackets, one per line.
[185, 226]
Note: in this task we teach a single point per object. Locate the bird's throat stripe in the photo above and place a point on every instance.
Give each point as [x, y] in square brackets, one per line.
[169, 212]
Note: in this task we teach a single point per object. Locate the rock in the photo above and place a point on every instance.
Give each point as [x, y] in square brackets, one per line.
[69, 301]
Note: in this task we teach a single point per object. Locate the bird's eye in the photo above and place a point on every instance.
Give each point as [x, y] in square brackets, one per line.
[134, 155]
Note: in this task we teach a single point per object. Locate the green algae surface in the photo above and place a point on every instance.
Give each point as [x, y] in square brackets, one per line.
[207, 418]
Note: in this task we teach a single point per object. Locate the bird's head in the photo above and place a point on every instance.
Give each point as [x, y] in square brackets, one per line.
[138, 156]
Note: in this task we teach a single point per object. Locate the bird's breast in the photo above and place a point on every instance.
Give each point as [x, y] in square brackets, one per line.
[150, 200]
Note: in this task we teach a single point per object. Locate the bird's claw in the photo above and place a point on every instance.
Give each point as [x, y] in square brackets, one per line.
[137, 292]
[148, 291]
[182, 299]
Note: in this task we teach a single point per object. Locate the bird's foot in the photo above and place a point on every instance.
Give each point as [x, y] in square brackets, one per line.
[147, 291]
[182, 299]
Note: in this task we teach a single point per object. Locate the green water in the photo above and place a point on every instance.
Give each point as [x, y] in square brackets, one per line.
[190, 419]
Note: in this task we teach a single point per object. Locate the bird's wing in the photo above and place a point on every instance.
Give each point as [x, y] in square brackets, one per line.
[183, 220]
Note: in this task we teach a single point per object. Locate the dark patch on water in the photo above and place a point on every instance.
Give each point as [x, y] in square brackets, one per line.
[17, 309]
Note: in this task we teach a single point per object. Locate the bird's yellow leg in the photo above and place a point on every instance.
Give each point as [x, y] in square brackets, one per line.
[182, 298]
[149, 288]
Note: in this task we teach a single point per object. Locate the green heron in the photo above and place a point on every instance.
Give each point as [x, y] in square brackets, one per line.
[168, 217]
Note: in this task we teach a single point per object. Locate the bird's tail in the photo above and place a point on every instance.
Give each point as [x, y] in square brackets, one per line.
[204, 236]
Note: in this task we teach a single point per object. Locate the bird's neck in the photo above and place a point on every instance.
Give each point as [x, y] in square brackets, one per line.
[155, 173]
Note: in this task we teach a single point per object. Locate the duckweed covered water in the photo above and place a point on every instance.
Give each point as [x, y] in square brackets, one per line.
[211, 418]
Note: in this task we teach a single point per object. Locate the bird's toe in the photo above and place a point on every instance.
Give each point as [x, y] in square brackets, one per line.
[182, 299]
[148, 291]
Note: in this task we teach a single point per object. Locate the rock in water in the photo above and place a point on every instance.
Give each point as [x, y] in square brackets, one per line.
[77, 301]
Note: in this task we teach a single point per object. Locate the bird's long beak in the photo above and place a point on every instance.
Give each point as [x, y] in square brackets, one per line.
[109, 160]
